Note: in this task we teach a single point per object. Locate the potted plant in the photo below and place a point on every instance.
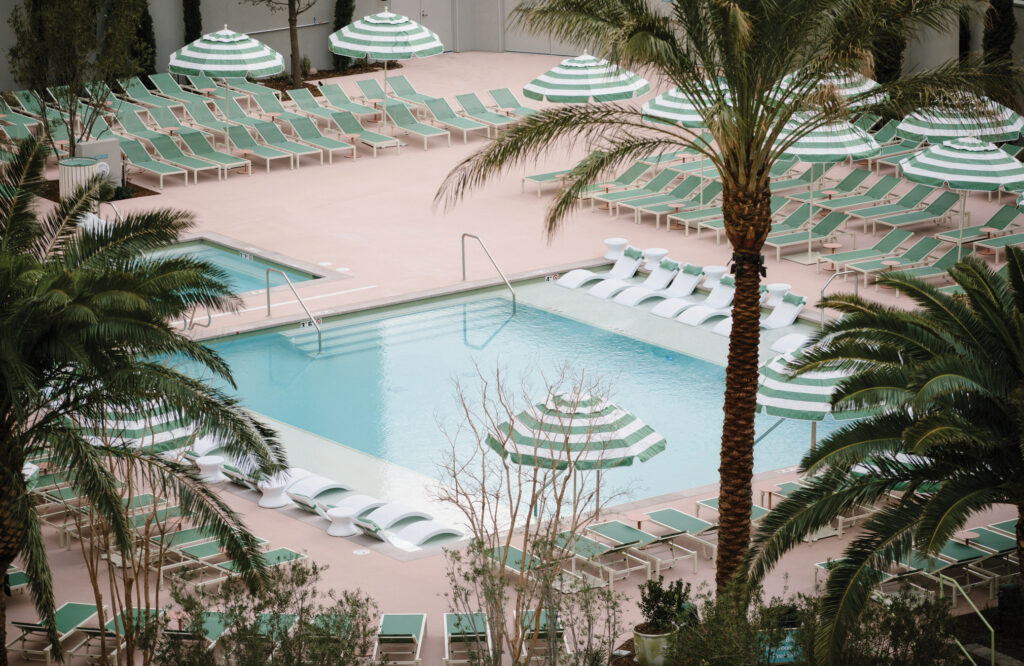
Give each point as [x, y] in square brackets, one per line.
[664, 609]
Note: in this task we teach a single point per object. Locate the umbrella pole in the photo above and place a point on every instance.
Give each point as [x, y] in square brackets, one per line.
[384, 102]
[810, 214]
[226, 119]
[814, 434]
[960, 237]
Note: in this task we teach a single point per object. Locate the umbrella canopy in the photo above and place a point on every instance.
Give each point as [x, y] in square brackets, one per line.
[847, 85]
[829, 143]
[806, 397]
[385, 36]
[226, 53]
[587, 431]
[584, 78]
[965, 164]
[677, 107]
[993, 122]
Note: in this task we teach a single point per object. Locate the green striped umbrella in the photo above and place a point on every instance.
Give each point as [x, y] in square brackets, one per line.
[585, 430]
[967, 165]
[826, 144]
[676, 107]
[805, 397]
[226, 53]
[848, 85]
[156, 430]
[993, 122]
[584, 78]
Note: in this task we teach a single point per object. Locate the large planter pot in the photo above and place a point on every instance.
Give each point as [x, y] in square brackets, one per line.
[650, 649]
[73, 172]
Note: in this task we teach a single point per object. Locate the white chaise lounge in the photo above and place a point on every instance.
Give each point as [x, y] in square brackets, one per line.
[719, 297]
[624, 268]
[306, 492]
[686, 280]
[658, 279]
[782, 315]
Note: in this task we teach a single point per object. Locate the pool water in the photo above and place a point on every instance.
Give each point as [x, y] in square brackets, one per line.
[246, 272]
[386, 384]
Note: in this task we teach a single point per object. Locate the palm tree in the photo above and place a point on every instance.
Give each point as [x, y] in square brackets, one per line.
[946, 380]
[751, 45]
[84, 321]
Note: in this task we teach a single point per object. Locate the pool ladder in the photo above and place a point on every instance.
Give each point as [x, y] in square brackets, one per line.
[312, 320]
[821, 324]
[493, 263]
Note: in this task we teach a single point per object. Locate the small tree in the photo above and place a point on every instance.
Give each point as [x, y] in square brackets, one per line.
[193, 16]
[144, 47]
[524, 516]
[295, 8]
[1000, 30]
[343, 11]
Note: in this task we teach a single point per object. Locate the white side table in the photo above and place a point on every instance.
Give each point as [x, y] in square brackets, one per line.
[712, 275]
[273, 493]
[776, 290]
[654, 255]
[342, 524]
[209, 469]
[615, 248]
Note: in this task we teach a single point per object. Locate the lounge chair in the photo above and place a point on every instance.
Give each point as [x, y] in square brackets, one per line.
[536, 629]
[756, 512]
[137, 92]
[404, 91]
[169, 88]
[214, 573]
[1003, 218]
[719, 297]
[467, 637]
[343, 512]
[104, 643]
[198, 144]
[653, 187]
[199, 115]
[615, 562]
[307, 104]
[878, 193]
[626, 179]
[312, 489]
[234, 112]
[353, 129]
[212, 626]
[13, 117]
[389, 516]
[889, 244]
[687, 526]
[475, 109]
[271, 106]
[445, 115]
[661, 552]
[403, 119]
[34, 637]
[810, 177]
[170, 152]
[886, 133]
[513, 560]
[678, 193]
[916, 254]
[373, 92]
[243, 85]
[851, 184]
[898, 149]
[204, 83]
[15, 580]
[798, 220]
[820, 232]
[624, 268]
[999, 243]
[541, 179]
[400, 638]
[307, 132]
[712, 218]
[867, 121]
[337, 99]
[136, 155]
[783, 314]
[133, 126]
[938, 268]
[701, 312]
[243, 141]
[507, 101]
[909, 202]
[685, 281]
[703, 199]
[166, 120]
[658, 279]
[420, 533]
[954, 561]
[937, 211]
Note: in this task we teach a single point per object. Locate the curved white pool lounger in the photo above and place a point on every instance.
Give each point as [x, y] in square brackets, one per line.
[343, 514]
[659, 278]
[782, 315]
[719, 297]
[685, 281]
[699, 314]
[624, 268]
[387, 516]
[420, 532]
[306, 491]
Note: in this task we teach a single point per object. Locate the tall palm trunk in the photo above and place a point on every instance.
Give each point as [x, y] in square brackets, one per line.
[747, 221]
[12, 533]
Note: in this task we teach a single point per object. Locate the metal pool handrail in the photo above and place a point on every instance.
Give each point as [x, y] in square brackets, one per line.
[319, 332]
[825, 286]
[493, 263]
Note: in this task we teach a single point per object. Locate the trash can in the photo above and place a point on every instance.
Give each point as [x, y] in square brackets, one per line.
[75, 172]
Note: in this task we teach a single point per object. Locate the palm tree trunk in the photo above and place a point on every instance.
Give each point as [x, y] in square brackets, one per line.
[11, 535]
[747, 221]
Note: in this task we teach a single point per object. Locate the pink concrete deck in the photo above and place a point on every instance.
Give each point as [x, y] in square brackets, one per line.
[375, 218]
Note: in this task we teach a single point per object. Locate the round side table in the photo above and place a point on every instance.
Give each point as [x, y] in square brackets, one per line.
[342, 522]
[712, 275]
[209, 469]
[273, 496]
[615, 247]
[776, 291]
[654, 255]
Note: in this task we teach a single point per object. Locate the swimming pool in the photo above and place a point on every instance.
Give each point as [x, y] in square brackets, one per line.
[385, 381]
[246, 271]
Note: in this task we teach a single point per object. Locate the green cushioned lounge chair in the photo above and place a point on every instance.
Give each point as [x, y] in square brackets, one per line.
[910, 201]
[999, 243]
[938, 268]
[133, 126]
[814, 174]
[477, 110]
[507, 101]
[654, 187]
[443, 113]
[937, 211]
[198, 144]
[886, 133]
[137, 156]
[273, 137]
[203, 82]
[887, 245]
[703, 199]
[244, 85]
[351, 127]
[307, 132]
[15, 579]
[892, 153]
[235, 112]
[467, 636]
[404, 120]
[627, 178]
[168, 87]
[243, 141]
[678, 194]
[33, 639]
[879, 192]
[308, 104]
[106, 642]
[661, 551]
[271, 106]
[13, 117]
[914, 255]
[818, 233]
[1001, 220]
[170, 152]
[756, 512]
[404, 91]
[137, 92]
[200, 115]
[687, 527]
[537, 629]
[613, 562]
[851, 184]
[338, 99]
[400, 638]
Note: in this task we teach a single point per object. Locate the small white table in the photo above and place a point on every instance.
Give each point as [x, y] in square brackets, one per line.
[273, 496]
[776, 290]
[342, 522]
[654, 255]
[209, 469]
[615, 248]
[712, 274]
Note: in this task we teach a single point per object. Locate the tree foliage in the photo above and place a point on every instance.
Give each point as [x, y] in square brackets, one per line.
[944, 380]
[343, 12]
[193, 16]
[1000, 30]
[143, 49]
[294, 8]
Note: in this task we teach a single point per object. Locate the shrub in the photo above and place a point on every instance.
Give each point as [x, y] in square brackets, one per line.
[343, 11]
[193, 17]
[305, 66]
[662, 606]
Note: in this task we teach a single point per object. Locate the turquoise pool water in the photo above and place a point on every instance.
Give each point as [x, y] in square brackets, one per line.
[245, 272]
[383, 385]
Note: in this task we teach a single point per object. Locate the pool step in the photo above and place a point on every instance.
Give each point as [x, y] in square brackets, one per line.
[347, 338]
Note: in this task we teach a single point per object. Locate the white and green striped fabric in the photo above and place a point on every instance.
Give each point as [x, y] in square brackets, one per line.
[848, 86]
[586, 431]
[226, 53]
[806, 397]
[993, 122]
[677, 107]
[155, 430]
[584, 78]
[385, 36]
[965, 164]
[828, 143]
